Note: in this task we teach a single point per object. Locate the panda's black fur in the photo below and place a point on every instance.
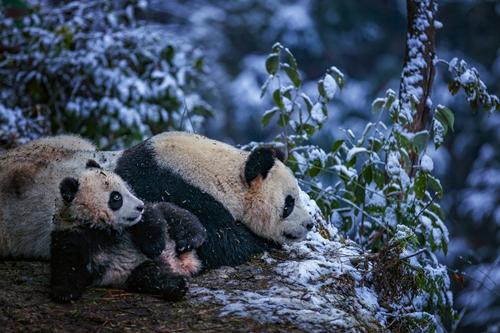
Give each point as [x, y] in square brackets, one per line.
[229, 242]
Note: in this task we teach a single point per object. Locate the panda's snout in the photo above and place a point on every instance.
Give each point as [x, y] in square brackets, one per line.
[139, 208]
[309, 226]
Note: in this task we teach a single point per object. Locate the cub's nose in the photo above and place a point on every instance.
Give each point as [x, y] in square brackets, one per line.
[309, 226]
[139, 208]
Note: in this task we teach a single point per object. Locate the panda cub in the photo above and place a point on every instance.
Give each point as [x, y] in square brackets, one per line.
[105, 236]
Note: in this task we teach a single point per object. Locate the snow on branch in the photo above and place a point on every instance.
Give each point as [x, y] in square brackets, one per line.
[418, 68]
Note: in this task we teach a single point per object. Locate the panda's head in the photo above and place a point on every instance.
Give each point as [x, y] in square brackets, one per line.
[100, 199]
[273, 207]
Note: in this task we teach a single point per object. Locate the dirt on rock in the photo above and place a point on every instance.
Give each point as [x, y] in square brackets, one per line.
[26, 307]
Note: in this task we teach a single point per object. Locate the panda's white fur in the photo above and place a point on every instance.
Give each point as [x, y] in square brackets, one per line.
[218, 169]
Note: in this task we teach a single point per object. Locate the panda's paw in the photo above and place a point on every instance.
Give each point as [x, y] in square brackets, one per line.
[188, 235]
[64, 295]
[173, 287]
[189, 242]
[150, 278]
[183, 227]
[154, 247]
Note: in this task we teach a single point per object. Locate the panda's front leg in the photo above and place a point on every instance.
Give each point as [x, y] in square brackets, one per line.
[150, 278]
[183, 227]
[70, 256]
[149, 234]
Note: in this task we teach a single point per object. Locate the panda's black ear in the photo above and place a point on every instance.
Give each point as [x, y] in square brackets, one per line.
[68, 187]
[92, 164]
[280, 150]
[259, 162]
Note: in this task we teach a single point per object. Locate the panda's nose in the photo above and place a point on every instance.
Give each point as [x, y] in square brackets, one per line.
[309, 226]
[139, 208]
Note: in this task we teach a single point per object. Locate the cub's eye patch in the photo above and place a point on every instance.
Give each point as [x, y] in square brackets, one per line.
[289, 205]
[115, 200]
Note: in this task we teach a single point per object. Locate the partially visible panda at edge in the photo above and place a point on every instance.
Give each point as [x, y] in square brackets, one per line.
[103, 235]
[29, 195]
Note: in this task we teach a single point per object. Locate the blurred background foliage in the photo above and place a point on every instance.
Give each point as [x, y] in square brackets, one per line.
[119, 73]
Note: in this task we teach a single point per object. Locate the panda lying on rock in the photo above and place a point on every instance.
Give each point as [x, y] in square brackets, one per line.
[105, 236]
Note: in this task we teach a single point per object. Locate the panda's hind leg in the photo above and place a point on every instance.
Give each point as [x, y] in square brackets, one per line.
[150, 278]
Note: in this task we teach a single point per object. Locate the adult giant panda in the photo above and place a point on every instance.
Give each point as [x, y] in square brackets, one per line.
[246, 201]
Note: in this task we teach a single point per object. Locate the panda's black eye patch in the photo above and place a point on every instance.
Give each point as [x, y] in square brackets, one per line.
[289, 205]
[115, 200]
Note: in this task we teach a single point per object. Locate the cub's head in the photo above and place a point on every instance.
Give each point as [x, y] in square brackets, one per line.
[100, 199]
[273, 207]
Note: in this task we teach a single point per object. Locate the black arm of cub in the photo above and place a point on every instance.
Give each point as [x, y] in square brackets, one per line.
[149, 233]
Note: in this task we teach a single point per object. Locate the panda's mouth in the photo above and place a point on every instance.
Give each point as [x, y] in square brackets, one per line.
[134, 219]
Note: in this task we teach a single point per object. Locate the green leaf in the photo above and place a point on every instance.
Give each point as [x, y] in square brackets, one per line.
[447, 114]
[420, 184]
[454, 87]
[277, 99]
[368, 173]
[435, 185]
[375, 144]
[321, 89]
[436, 209]
[293, 74]
[291, 59]
[277, 47]
[307, 101]
[283, 120]
[390, 97]
[336, 145]
[263, 89]
[268, 115]
[420, 140]
[272, 63]
[315, 168]
[377, 104]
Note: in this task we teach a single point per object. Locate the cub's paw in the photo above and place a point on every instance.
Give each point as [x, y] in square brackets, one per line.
[150, 278]
[154, 245]
[64, 295]
[183, 227]
[173, 287]
[189, 241]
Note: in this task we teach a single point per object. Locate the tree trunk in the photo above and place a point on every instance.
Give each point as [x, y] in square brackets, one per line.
[418, 69]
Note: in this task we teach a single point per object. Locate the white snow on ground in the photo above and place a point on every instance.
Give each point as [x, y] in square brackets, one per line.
[304, 290]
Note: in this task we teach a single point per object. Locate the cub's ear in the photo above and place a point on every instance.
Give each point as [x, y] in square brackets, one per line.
[259, 162]
[92, 164]
[68, 187]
